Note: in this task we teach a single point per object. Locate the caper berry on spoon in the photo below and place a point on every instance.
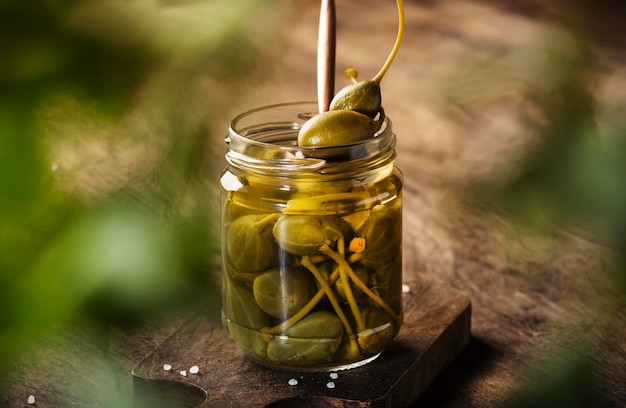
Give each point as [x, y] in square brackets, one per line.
[352, 111]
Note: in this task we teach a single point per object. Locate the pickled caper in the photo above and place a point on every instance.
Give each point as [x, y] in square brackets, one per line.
[243, 317]
[312, 340]
[382, 232]
[304, 234]
[239, 303]
[250, 244]
[363, 97]
[282, 293]
[336, 128]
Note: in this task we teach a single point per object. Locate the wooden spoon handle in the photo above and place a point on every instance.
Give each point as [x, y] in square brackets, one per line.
[326, 45]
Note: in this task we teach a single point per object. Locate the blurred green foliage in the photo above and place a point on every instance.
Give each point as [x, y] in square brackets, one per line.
[107, 207]
[573, 184]
[576, 177]
[573, 180]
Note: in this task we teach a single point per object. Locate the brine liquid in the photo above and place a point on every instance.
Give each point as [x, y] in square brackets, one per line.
[312, 271]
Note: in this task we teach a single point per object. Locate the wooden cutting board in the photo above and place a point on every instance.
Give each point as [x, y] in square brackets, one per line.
[436, 328]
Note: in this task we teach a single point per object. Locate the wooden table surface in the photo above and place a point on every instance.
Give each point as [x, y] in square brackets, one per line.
[456, 97]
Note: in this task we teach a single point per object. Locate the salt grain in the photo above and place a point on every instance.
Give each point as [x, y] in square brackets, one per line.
[292, 381]
[167, 367]
[31, 399]
[330, 384]
[406, 289]
[194, 370]
[334, 376]
[183, 373]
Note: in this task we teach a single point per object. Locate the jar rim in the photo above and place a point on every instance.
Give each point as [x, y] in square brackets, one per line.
[271, 140]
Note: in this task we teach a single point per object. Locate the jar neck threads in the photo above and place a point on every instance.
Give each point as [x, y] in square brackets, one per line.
[264, 141]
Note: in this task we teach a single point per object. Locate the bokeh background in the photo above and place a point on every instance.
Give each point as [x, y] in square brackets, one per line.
[510, 118]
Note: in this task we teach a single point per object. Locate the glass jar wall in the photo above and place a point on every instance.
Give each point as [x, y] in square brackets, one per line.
[311, 243]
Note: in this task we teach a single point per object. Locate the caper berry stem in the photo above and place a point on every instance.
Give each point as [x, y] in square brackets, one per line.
[376, 298]
[299, 315]
[329, 293]
[352, 74]
[353, 258]
[347, 289]
[280, 328]
[333, 301]
[306, 309]
[396, 46]
[316, 259]
[325, 204]
[266, 221]
[356, 311]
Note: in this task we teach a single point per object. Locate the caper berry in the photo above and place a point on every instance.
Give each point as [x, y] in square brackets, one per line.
[250, 244]
[336, 128]
[363, 97]
[243, 317]
[382, 231]
[239, 304]
[312, 340]
[281, 293]
[318, 325]
[304, 234]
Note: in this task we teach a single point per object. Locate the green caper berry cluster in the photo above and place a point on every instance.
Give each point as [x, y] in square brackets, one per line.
[297, 276]
[355, 113]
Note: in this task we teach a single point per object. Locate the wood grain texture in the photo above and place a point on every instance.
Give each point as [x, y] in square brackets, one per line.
[436, 329]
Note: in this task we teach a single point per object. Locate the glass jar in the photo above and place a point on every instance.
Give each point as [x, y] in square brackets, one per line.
[311, 243]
